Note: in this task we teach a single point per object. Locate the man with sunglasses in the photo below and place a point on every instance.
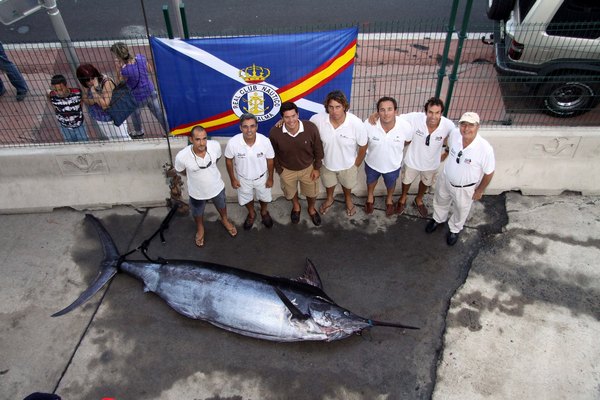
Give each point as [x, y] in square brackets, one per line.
[198, 162]
[467, 172]
[251, 155]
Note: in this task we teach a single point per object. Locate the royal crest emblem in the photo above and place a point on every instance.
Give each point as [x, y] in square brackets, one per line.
[256, 97]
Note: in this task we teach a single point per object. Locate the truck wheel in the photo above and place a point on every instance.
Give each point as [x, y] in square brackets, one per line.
[499, 9]
[568, 98]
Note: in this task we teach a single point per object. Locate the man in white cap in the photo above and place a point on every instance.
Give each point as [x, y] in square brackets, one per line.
[468, 170]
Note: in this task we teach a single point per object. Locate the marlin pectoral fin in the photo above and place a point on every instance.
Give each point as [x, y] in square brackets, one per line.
[296, 313]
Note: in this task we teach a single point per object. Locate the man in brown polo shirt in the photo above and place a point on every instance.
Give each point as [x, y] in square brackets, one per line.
[298, 157]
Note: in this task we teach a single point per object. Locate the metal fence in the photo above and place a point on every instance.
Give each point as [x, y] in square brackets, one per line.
[391, 60]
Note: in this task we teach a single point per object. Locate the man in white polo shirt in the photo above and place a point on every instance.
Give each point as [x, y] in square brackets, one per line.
[424, 155]
[252, 155]
[385, 150]
[468, 170]
[344, 138]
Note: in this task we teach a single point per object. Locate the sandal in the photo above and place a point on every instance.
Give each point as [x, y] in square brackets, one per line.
[351, 211]
[199, 240]
[232, 231]
[325, 207]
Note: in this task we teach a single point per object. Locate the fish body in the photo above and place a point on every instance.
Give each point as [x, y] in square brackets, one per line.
[240, 301]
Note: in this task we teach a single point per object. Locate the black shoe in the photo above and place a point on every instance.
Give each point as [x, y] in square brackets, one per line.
[452, 238]
[316, 219]
[295, 216]
[248, 223]
[431, 226]
[267, 220]
[21, 96]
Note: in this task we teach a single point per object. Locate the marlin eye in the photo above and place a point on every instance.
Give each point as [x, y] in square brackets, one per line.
[346, 313]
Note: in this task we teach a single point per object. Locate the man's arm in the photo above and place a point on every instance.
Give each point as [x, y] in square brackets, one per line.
[229, 164]
[270, 168]
[362, 152]
[485, 181]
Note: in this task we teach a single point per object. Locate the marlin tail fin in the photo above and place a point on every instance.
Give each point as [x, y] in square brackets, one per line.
[108, 268]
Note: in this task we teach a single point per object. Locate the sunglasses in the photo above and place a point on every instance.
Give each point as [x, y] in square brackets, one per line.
[459, 155]
[205, 166]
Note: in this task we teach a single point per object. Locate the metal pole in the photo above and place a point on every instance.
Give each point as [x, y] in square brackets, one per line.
[461, 38]
[168, 21]
[451, 29]
[184, 20]
[62, 34]
[177, 16]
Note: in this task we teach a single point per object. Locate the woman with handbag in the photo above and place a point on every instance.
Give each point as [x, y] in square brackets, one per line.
[97, 90]
[134, 71]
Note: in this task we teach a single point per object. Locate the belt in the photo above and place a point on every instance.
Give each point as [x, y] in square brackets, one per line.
[263, 174]
[463, 186]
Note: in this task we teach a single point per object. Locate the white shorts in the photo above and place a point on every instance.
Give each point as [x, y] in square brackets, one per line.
[410, 174]
[250, 188]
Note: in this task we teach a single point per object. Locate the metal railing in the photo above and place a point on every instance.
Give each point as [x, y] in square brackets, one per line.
[391, 60]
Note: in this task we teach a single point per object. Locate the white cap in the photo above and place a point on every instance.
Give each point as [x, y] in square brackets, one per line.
[469, 117]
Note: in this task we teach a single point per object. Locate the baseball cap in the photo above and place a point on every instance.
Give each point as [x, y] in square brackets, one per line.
[469, 117]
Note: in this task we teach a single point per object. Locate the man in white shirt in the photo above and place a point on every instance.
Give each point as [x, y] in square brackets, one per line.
[252, 155]
[467, 172]
[344, 140]
[385, 151]
[198, 162]
[424, 155]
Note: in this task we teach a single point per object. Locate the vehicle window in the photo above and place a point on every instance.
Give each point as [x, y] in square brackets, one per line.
[524, 7]
[576, 18]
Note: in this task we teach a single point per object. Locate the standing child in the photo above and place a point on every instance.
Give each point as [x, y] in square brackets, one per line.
[67, 105]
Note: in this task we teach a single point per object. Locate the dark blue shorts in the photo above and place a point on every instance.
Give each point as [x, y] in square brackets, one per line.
[389, 178]
[197, 206]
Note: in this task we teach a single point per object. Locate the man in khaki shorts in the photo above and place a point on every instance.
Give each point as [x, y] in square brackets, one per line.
[424, 154]
[345, 139]
[298, 158]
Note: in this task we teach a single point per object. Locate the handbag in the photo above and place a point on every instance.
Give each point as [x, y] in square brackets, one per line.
[122, 103]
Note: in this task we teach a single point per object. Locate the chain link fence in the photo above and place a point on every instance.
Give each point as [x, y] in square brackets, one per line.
[396, 59]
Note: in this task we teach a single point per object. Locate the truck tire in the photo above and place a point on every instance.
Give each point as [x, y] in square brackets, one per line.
[499, 9]
[568, 97]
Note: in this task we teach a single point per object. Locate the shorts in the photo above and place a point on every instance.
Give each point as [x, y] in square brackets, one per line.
[257, 187]
[346, 177]
[389, 178]
[290, 179]
[197, 206]
[410, 174]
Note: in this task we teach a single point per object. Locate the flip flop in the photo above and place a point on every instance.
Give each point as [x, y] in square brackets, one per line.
[351, 211]
[325, 207]
[199, 240]
[232, 231]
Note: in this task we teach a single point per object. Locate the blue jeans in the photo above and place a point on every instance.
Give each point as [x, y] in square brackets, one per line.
[152, 103]
[12, 72]
[78, 134]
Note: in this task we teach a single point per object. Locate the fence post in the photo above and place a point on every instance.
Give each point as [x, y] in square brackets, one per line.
[461, 38]
[186, 33]
[444, 61]
[167, 21]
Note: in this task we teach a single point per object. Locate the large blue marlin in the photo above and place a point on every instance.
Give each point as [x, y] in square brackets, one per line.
[251, 304]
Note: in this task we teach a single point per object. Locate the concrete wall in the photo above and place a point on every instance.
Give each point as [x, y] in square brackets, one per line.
[534, 161]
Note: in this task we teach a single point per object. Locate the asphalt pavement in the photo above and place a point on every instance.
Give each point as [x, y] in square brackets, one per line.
[511, 311]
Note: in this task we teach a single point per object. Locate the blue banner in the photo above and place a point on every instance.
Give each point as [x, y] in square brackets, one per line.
[211, 82]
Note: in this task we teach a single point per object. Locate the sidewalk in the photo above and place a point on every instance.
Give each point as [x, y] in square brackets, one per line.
[522, 286]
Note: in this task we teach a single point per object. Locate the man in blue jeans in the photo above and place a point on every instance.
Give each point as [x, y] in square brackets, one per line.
[13, 74]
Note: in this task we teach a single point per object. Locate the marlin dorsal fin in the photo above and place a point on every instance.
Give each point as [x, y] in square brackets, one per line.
[310, 276]
[296, 313]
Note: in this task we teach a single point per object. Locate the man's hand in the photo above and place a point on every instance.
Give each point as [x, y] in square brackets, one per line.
[279, 123]
[269, 183]
[235, 183]
[373, 118]
[315, 174]
[478, 194]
